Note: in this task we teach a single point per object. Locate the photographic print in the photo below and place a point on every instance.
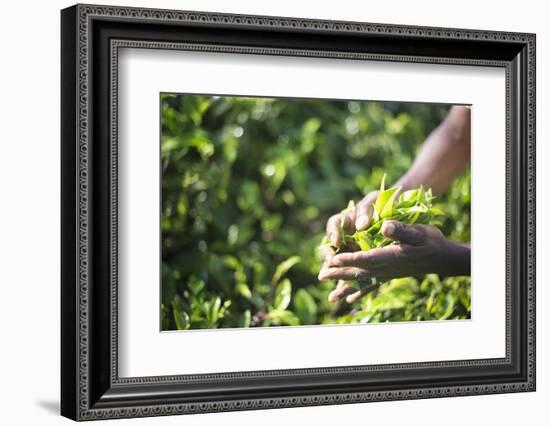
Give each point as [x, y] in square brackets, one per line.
[299, 212]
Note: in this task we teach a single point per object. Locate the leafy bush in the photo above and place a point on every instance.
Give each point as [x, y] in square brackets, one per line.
[247, 187]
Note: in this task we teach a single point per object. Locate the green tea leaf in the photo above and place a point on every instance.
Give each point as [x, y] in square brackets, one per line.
[243, 290]
[182, 320]
[282, 295]
[305, 306]
[284, 267]
[416, 209]
[283, 317]
[387, 208]
[383, 205]
[213, 310]
[408, 198]
[364, 240]
[383, 183]
[436, 211]
[195, 285]
[244, 319]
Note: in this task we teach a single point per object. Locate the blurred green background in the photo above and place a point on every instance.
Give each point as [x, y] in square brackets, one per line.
[247, 187]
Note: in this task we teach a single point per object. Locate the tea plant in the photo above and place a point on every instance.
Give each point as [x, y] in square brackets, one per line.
[247, 187]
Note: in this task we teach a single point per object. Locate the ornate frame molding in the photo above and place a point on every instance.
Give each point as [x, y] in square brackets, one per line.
[89, 407]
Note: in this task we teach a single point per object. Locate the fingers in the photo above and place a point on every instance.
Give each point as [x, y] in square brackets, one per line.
[344, 291]
[363, 213]
[333, 230]
[372, 259]
[403, 233]
[326, 252]
[341, 291]
[354, 297]
[346, 222]
[336, 223]
[350, 221]
[345, 273]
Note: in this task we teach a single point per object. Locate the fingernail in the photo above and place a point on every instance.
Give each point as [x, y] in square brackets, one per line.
[333, 296]
[389, 228]
[361, 222]
[352, 298]
[335, 261]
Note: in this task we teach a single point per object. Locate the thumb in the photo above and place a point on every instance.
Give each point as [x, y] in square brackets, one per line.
[402, 232]
[363, 211]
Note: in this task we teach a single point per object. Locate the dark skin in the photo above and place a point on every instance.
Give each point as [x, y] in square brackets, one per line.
[418, 249]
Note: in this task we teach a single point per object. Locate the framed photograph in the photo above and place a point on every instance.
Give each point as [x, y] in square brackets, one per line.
[263, 212]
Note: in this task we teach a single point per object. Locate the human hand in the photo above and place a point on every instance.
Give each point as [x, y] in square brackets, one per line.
[420, 249]
[349, 221]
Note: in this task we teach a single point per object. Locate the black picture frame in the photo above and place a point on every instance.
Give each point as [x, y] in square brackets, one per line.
[90, 386]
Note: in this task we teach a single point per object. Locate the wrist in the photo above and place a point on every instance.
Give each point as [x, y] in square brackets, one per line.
[456, 260]
[406, 182]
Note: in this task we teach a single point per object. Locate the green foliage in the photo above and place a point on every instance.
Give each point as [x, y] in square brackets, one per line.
[247, 187]
[408, 299]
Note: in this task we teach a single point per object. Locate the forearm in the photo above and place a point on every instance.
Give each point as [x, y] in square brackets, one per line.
[443, 155]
